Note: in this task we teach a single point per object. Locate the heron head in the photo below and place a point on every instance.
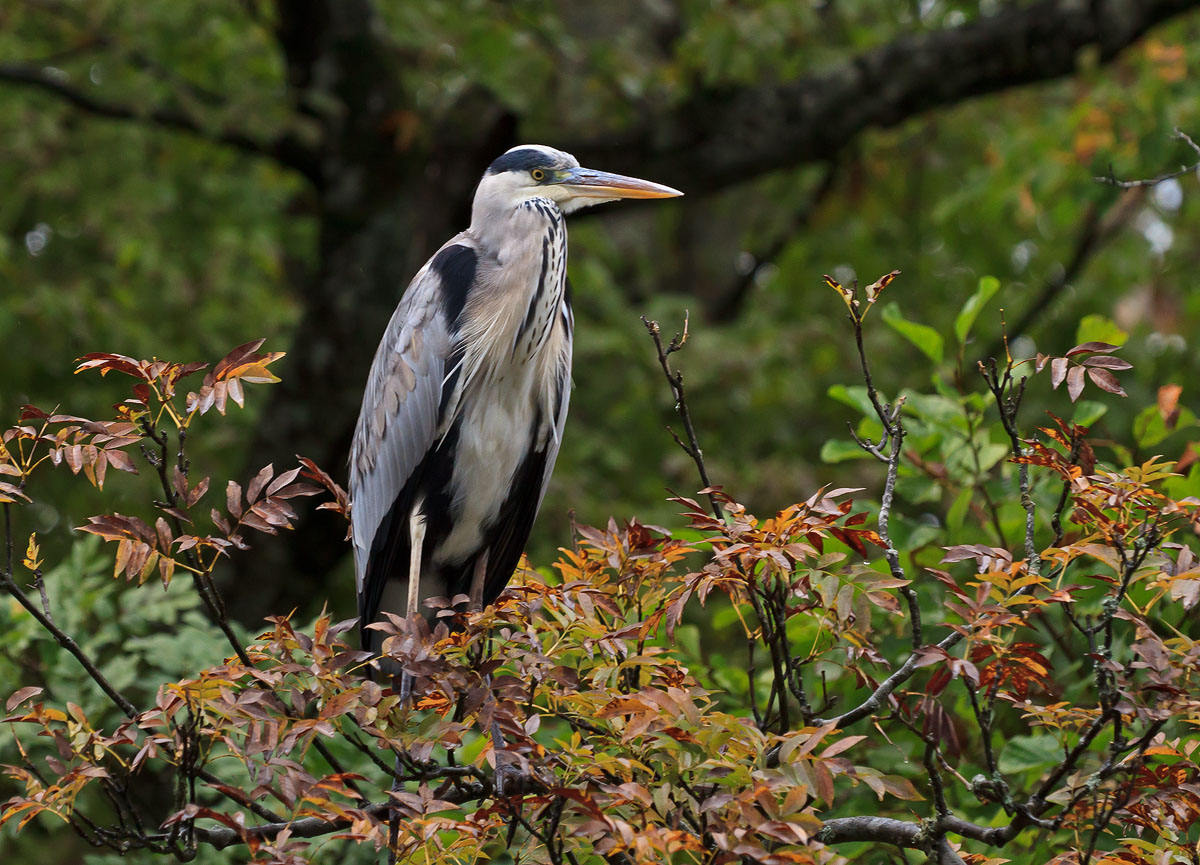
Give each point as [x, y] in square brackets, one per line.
[536, 171]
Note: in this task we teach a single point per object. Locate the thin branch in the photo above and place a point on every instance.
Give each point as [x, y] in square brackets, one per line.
[69, 644]
[983, 717]
[875, 701]
[893, 430]
[930, 761]
[1008, 394]
[751, 130]
[1177, 135]
[675, 381]
[8, 540]
[204, 587]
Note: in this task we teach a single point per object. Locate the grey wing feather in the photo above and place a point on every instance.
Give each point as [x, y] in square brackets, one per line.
[563, 385]
[398, 422]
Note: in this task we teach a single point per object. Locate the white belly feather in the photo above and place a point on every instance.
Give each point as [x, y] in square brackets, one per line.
[494, 437]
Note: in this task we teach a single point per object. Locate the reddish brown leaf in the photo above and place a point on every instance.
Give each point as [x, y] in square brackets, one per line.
[1107, 362]
[1105, 380]
[163, 533]
[254, 521]
[197, 493]
[283, 480]
[121, 461]
[21, 696]
[1075, 382]
[258, 482]
[1168, 404]
[237, 356]
[1091, 348]
[1058, 371]
[233, 499]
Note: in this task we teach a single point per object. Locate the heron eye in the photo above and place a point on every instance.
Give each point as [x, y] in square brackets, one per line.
[538, 174]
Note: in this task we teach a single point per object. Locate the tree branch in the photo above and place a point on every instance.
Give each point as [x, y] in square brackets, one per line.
[875, 701]
[886, 830]
[62, 638]
[729, 305]
[286, 149]
[675, 380]
[1178, 135]
[721, 138]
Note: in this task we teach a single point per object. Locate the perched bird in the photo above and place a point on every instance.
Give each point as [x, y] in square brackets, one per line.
[466, 400]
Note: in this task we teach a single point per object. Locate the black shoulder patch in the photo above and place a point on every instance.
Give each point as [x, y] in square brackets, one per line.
[455, 265]
[525, 159]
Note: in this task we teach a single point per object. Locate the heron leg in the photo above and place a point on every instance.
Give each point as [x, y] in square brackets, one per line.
[416, 535]
[478, 580]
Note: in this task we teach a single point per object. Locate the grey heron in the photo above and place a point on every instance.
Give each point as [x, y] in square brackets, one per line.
[467, 396]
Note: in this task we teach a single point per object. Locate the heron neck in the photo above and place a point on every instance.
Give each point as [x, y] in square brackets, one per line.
[505, 230]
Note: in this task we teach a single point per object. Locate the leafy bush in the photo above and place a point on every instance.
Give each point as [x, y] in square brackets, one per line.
[995, 655]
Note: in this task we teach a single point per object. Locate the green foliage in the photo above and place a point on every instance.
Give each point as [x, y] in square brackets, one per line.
[1097, 328]
[988, 286]
[928, 340]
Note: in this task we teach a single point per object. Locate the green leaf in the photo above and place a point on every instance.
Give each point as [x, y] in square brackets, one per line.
[988, 286]
[990, 454]
[919, 490]
[840, 450]
[1149, 428]
[1178, 488]
[855, 397]
[1025, 753]
[958, 510]
[924, 337]
[934, 408]
[1098, 328]
[1087, 412]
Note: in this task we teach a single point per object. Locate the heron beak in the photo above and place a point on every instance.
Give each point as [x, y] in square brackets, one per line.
[586, 183]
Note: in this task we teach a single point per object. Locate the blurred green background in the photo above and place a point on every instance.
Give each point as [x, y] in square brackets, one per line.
[182, 178]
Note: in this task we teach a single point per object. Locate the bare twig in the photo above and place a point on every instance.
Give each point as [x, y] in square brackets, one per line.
[893, 431]
[675, 380]
[1008, 393]
[1177, 135]
[875, 701]
[204, 586]
[70, 645]
[10, 585]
